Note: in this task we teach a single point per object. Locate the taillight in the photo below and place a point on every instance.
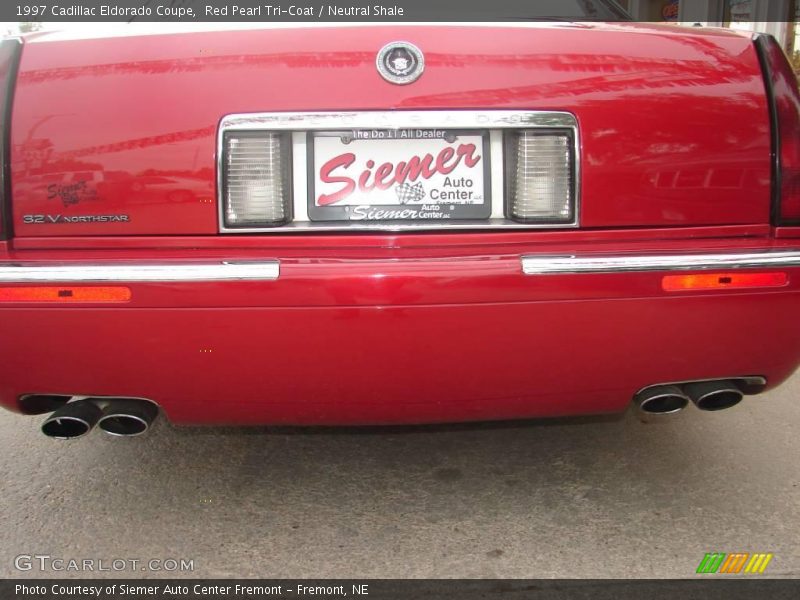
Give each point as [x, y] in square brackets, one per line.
[9, 59]
[256, 179]
[541, 176]
[784, 99]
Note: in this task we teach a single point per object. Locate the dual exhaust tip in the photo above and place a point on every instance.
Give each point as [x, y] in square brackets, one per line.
[119, 417]
[131, 417]
[706, 395]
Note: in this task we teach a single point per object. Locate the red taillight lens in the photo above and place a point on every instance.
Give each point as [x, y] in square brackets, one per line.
[9, 58]
[785, 112]
[790, 196]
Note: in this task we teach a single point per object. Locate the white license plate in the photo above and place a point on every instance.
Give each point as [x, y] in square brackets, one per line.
[406, 174]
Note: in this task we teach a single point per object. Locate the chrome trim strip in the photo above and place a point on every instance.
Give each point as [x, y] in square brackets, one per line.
[617, 263]
[493, 120]
[264, 270]
[396, 119]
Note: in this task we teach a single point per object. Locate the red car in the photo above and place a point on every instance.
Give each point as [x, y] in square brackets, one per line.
[396, 224]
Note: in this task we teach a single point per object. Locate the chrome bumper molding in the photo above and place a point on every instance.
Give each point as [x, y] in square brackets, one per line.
[269, 270]
[397, 119]
[265, 270]
[618, 263]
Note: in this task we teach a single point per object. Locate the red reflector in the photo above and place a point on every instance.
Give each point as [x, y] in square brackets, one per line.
[722, 281]
[65, 294]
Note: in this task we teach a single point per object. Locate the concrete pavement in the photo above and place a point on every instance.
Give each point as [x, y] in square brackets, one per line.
[564, 498]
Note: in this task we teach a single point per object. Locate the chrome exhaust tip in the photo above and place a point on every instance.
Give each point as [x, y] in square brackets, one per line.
[73, 420]
[714, 395]
[128, 417]
[661, 400]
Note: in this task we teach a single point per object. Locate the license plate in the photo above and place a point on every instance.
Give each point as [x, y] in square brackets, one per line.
[399, 175]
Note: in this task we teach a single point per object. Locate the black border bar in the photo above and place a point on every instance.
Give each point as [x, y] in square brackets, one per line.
[308, 10]
[710, 587]
[385, 11]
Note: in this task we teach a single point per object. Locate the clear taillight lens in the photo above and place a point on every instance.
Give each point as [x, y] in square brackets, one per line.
[785, 111]
[256, 179]
[541, 176]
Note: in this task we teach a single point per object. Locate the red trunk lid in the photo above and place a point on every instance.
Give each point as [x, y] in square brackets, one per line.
[117, 136]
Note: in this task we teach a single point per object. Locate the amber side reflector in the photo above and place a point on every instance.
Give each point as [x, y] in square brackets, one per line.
[65, 295]
[722, 281]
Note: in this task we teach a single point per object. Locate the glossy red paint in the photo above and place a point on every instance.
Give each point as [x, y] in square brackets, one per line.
[418, 337]
[393, 328]
[438, 240]
[787, 232]
[127, 125]
[398, 364]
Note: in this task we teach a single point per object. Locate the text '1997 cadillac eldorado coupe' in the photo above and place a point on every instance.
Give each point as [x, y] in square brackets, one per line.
[357, 225]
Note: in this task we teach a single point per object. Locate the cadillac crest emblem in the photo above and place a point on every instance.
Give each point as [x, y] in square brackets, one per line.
[400, 62]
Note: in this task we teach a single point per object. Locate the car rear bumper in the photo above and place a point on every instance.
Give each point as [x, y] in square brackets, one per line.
[307, 340]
